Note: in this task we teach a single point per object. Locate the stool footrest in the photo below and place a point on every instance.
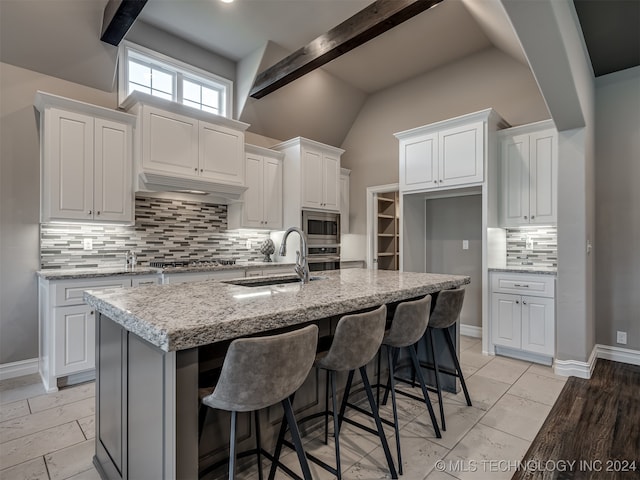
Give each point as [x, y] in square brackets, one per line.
[311, 457]
[368, 414]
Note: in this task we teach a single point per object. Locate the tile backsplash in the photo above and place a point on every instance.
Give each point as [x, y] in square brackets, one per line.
[543, 246]
[164, 229]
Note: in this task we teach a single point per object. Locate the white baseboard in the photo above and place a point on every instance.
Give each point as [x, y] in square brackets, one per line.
[618, 354]
[470, 331]
[575, 368]
[18, 369]
[585, 369]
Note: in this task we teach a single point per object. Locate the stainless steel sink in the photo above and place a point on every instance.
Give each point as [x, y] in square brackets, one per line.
[269, 281]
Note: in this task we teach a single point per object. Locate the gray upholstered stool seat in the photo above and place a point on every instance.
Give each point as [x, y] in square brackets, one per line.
[444, 314]
[355, 343]
[262, 371]
[408, 326]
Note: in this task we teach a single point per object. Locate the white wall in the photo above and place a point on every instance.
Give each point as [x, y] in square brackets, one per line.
[618, 207]
[487, 79]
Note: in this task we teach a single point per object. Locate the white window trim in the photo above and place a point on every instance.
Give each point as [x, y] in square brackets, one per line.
[181, 67]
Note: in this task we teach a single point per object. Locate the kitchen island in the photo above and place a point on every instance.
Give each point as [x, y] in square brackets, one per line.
[155, 345]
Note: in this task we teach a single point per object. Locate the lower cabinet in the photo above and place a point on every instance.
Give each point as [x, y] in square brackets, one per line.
[523, 320]
[67, 325]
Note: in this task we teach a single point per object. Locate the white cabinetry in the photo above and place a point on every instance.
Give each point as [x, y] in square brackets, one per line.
[312, 177]
[200, 276]
[262, 201]
[345, 174]
[186, 149]
[528, 172]
[86, 155]
[67, 326]
[447, 154]
[523, 315]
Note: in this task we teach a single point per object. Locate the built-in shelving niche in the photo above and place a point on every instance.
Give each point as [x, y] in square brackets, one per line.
[388, 231]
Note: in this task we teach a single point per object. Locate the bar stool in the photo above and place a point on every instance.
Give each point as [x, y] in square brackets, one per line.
[445, 313]
[262, 371]
[355, 342]
[408, 326]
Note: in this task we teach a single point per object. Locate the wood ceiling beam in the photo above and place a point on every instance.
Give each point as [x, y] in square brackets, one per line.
[368, 23]
[118, 17]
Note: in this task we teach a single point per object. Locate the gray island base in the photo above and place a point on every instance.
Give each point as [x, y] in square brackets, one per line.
[156, 345]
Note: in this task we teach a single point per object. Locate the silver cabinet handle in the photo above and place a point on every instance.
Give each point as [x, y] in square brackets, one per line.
[521, 286]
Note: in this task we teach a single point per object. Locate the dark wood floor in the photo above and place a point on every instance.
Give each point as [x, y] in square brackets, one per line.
[594, 423]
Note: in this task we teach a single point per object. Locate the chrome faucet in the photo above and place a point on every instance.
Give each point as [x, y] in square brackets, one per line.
[302, 267]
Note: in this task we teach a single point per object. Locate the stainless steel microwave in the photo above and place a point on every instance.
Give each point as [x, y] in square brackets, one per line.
[321, 228]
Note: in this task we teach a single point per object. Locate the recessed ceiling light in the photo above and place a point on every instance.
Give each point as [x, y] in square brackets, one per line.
[226, 1]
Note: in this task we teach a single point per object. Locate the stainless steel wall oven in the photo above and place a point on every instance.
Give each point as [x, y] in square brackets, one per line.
[323, 237]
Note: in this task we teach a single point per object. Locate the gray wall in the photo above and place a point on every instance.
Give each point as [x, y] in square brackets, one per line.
[20, 202]
[618, 207]
[487, 79]
[448, 222]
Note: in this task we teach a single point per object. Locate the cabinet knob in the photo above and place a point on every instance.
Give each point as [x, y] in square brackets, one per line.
[202, 169]
[195, 169]
[517, 302]
[98, 212]
[523, 302]
[89, 212]
[525, 217]
[435, 181]
[532, 217]
[91, 312]
[440, 181]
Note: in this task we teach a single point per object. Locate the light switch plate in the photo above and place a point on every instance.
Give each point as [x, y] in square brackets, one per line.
[465, 244]
[87, 244]
[621, 338]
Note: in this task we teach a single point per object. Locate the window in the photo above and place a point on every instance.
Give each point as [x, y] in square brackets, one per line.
[155, 74]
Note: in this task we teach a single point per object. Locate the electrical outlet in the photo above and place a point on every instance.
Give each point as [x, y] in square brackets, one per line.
[87, 244]
[248, 243]
[622, 338]
[465, 244]
[528, 243]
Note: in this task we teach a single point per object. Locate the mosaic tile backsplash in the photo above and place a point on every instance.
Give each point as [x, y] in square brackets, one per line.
[542, 250]
[165, 229]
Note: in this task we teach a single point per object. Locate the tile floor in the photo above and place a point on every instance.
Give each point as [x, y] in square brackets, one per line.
[51, 436]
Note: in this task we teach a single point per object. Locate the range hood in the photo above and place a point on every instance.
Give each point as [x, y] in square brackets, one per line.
[158, 182]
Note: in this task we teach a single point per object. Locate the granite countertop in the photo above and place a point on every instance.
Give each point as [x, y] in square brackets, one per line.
[78, 273]
[525, 269]
[186, 315]
[72, 273]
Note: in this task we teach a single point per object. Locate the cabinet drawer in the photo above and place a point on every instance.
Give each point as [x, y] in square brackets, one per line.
[536, 285]
[69, 292]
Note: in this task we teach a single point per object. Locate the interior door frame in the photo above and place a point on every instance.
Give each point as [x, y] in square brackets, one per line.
[372, 194]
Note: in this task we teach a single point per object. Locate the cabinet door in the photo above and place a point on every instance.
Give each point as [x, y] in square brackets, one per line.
[514, 180]
[169, 142]
[113, 192]
[461, 155]
[254, 194]
[538, 325]
[272, 188]
[74, 342]
[331, 182]
[506, 320]
[312, 171]
[68, 166]
[419, 162]
[543, 172]
[221, 154]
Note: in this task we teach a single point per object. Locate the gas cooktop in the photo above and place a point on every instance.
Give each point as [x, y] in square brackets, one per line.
[191, 263]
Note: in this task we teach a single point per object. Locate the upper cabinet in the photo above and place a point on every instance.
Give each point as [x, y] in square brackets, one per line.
[312, 176]
[528, 175]
[181, 148]
[261, 205]
[86, 155]
[447, 154]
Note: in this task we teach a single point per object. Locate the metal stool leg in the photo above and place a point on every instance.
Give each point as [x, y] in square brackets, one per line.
[202, 417]
[295, 436]
[336, 423]
[374, 410]
[232, 446]
[396, 354]
[278, 449]
[427, 400]
[452, 349]
[258, 443]
[343, 406]
[395, 410]
[326, 407]
[437, 374]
